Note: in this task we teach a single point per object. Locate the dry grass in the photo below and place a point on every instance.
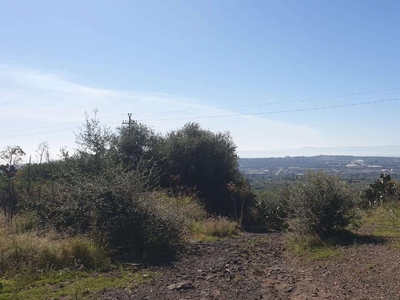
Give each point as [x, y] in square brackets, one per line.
[192, 217]
[383, 221]
[29, 257]
[187, 208]
[33, 252]
[214, 228]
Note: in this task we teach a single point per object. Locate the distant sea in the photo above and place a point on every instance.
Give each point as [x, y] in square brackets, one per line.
[385, 151]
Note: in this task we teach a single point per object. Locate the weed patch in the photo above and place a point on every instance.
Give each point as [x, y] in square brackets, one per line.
[384, 221]
[214, 228]
[312, 247]
[71, 285]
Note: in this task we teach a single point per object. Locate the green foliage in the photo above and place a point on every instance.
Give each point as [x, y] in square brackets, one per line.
[107, 188]
[312, 247]
[214, 228]
[322, 204]
[206, 161]
[382, 190]
[12, 155]
[114, 207]
[135, 145]
[383, 220]
[67, 284]
[273, 207]
[94, 143]
[93, 138]
[29, 253]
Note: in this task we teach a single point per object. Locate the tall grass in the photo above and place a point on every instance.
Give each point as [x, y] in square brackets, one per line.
[37, 252]
[213, 228]
[193, 220]
[384, 220]
[27, 247]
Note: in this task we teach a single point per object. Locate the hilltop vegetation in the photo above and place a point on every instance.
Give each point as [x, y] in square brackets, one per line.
[135, 191]
[135, 196]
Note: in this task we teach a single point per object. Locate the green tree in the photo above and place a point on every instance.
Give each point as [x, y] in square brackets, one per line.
[134, 146]
[12, 155]
[197, 158]
[94, 143]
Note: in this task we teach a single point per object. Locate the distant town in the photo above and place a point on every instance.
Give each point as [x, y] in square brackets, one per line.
[359, 170]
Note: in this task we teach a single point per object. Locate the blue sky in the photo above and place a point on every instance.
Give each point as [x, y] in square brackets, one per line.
[170, 62]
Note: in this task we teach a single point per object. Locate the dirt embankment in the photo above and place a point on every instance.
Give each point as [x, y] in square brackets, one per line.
[259, 267]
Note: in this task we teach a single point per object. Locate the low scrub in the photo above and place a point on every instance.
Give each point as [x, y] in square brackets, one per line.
[384, 220]
[321, 204]
[214, 228]
[273, 207]
[29, 253]
[70, 284]
[116, 209]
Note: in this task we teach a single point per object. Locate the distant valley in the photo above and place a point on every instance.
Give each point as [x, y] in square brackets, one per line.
[354, 169]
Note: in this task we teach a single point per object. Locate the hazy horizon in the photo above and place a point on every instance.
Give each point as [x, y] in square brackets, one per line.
[372, 151]
[309, 77]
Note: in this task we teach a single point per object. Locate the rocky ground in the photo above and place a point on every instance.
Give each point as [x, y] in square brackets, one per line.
[258, 266]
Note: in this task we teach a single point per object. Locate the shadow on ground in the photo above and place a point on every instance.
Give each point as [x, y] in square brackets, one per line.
[347, 238]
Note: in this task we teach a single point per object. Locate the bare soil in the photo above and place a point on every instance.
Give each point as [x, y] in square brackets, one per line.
[258, 266]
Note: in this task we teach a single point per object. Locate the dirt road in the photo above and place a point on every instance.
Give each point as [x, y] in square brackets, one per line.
[259, 267]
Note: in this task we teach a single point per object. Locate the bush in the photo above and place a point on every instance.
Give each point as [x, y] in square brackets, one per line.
[322, 204]
[273, 207]
[198, 159]
[116, 209]
[382, 190]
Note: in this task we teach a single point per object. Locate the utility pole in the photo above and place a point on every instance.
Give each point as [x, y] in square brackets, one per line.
[129, 122]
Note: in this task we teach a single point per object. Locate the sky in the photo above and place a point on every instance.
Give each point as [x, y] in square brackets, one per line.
[284, 77]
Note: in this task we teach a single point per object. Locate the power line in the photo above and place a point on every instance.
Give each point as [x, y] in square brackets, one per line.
[278, 111]
[277, 102]
[226, 116]
[211, 108]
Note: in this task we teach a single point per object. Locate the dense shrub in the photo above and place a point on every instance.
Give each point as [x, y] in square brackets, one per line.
[273, 207]
[382, 190]
[109, 188]
[321, 204]
[115, 208]
[134, 146]
[196, 158]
